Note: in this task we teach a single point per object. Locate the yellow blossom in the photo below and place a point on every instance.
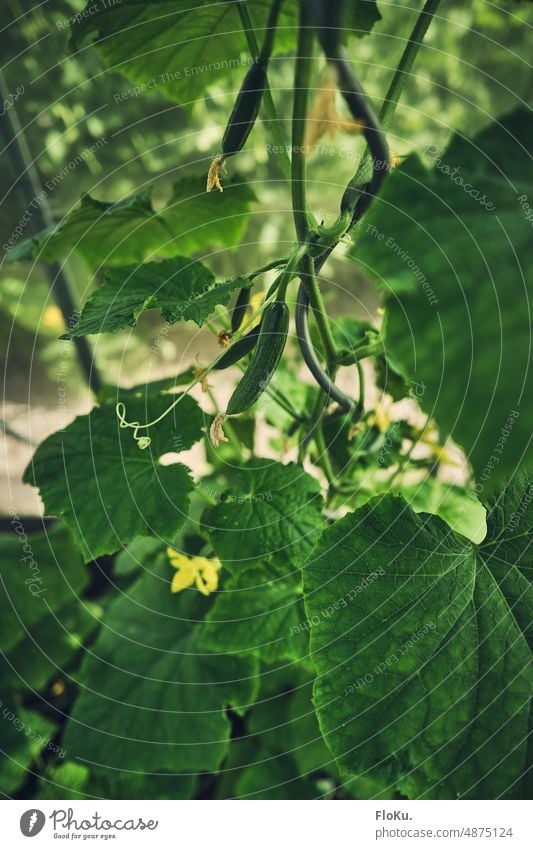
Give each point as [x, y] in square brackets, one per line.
[193, 570]
[430, 436]
[380, 418]
[52, 318]
[395, 159]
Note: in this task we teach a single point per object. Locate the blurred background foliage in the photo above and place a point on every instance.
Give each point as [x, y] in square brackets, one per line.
[87, 130]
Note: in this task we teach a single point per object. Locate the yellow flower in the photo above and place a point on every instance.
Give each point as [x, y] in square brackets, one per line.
[381, 418]
[52, 318]
[193, 570]
[430, 436]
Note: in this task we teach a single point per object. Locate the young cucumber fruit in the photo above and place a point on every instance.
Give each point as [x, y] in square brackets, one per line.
[265, 359]
[245, 110]
[238, 350]
[239, 310]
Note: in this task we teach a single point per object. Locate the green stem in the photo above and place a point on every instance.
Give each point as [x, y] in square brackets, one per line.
[404, 461]
[400, 78]
[270, 34]
[406, 62]
[268, 101]
[360, 352]
[279, 398]
[319, 310]
[361, 375]
[291, 270]
[302, 78]
[275, 263]
[323, 457]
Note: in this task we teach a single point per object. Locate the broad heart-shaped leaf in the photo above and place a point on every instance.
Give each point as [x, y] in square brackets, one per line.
[182, 289]
[454, 247]
[423, 674]
[255, 614]
[272, 513]
[73, 781]
[40, 574]
[152, 700]
[181, 49]
[286, 724]
[131, 231]
[51, 646]
[23, 735]
[108, 490]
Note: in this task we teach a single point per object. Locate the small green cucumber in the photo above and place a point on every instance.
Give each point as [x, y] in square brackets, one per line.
[238, 350]
[245, 109]
[265, 359]
[239, 310]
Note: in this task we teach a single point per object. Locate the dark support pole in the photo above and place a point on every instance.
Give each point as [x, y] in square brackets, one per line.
[28, 184]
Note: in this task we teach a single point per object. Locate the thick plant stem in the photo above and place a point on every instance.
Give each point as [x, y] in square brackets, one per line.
[400, 77]
[319, 310]
[366, 166]
[401, 73]
[268, 101]
[302, 77]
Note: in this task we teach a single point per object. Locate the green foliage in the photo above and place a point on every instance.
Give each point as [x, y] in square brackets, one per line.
[41, 575]
[181, 288]
[24, 735]
[169, 695]
[142, 39]
[272, 513]
[41, 631]
[254, 615]
[131, 230]
[421, 658]
[454, 247]
[324, 610]
[108, 491]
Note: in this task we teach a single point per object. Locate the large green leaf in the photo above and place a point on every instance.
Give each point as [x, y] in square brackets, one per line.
[256, 614]
[181, 51]
[286, 724]
[182, 289]
[72, 781]
[23, 735]
[40, 574]
[423, 677]
[274, 778]
[108, 490]
[456, 259]
[131, 231]
[272, 513]
[154, 700]
[48, 650]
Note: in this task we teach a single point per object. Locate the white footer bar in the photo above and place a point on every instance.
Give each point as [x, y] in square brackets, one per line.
[268, 824]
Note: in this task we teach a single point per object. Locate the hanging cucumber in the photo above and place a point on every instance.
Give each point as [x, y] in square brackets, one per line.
[246, 108]
[238, 350]
[265, 359]
[239, 310]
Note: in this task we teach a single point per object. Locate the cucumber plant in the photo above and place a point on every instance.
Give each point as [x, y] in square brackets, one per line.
[329, 616]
